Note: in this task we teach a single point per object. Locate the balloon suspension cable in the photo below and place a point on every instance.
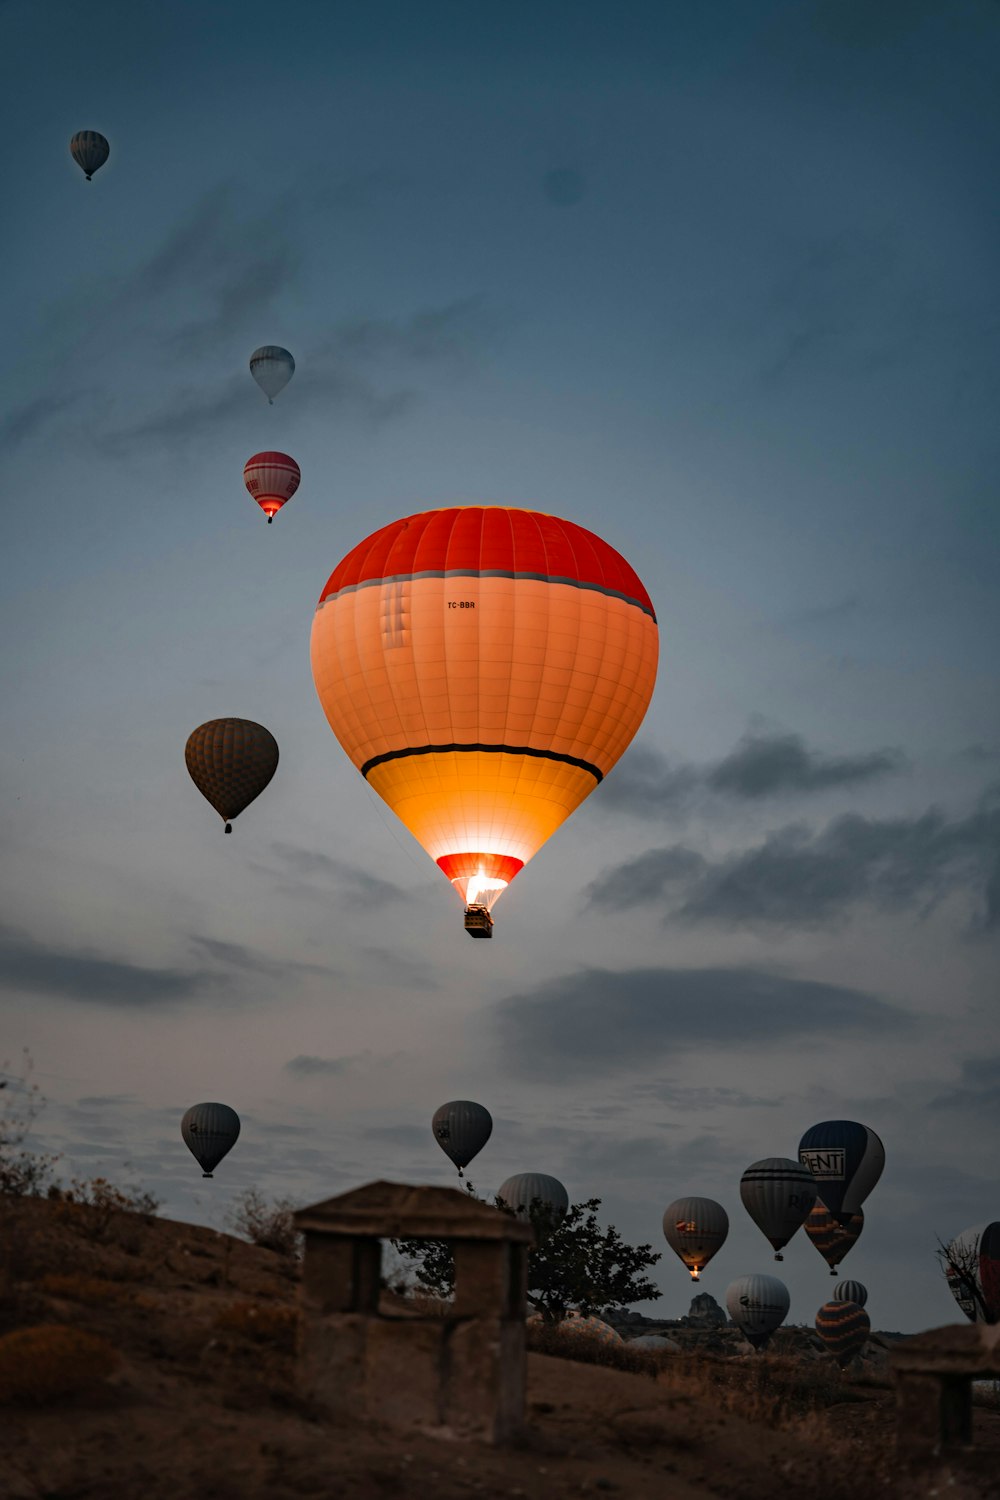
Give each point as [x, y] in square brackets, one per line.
[229, 827]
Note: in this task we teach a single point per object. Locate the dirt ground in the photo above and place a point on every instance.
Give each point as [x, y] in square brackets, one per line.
[203, 1400]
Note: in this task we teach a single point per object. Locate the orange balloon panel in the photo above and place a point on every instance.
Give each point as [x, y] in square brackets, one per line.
[484, 668]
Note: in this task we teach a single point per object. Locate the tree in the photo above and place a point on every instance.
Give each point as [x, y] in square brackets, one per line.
[22, 1173]
[575, 1263]
[960, 1264]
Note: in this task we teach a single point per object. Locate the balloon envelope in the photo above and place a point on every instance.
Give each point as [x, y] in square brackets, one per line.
[757, 1305]
[210, 1132]
[778, 1194]
[850, 1291]
[484, 668]
[462, 1129]
[272, 479]
[695, 1228]
[89, 150]
[231, 761]
[844, 1327]
[272, 367]
[522, 1191]
[972, 1267]
[832, 1239]
[846, 1161]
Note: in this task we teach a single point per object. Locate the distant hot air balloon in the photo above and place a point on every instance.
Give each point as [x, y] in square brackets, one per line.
[528, 1188]
[778, 1194]
[210, 1132]
[462, 1129]
[484, 668]
[757, 1305]
[846, 1161]
[844, 1328]
[695, 1228]
[972, 1266]
[850, 1291]
[272, 479]
[272, 367]
[231, 761]
[90, 151]
[833, 1240]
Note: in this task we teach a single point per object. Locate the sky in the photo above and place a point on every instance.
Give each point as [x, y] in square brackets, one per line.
[720, 284]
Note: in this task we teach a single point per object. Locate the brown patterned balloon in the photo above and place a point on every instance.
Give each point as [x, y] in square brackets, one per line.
[833, 1240]
[844, 1327]
[231, 761]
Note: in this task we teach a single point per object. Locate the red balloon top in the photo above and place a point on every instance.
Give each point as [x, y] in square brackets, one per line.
[491, 540]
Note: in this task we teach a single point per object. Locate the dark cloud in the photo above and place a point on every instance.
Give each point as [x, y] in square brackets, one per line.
[411, 1136]
[356, 886]
[688, 1098]
[81, 974]
[978, 1089]
[105, 1101]
[26, 419]
[305, 1066]
[803, 877]
[763, 765]
[596, 1021]
[251, 960]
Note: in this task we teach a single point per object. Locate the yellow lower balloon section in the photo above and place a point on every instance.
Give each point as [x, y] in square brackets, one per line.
[481, 803]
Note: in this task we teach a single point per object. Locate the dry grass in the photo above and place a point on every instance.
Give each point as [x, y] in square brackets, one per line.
[263, 1323]
[49, 1361]
[75, 1287]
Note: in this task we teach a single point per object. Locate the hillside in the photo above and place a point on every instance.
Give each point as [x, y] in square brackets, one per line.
[201, 1400]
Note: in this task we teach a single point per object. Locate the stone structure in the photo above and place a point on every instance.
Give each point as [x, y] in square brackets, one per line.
[934, 1373]
[362, 1354]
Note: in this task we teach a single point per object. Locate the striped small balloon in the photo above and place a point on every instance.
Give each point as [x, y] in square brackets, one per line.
[272, 479]
[850, 1291]
[844, 1328]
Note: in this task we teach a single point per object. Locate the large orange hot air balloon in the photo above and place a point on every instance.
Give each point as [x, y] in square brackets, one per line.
[484, 668]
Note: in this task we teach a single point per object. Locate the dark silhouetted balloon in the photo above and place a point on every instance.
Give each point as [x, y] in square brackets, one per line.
[833, 1240]
[757, 1305]
[90, 151]
[778, 1194]
[844, 1328]
[846, 1161]
[210, 1132]
[231, 761]
[462, 1129]
[695, 1228]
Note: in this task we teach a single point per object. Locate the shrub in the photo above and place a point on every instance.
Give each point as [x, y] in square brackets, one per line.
[22, 1173]
[266, 1325]
[95, 1205]
[43, 1363]
[269, 1225]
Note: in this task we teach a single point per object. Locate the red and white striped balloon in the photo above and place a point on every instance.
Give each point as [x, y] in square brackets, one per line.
[272, 478]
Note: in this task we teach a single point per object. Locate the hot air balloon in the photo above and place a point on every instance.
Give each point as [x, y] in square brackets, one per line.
[462, 1129]
[844, 1328]
[272, 479]
[850, 1291]
[695, 1228]
[90, 151]
[832, 1239]
[846, 1161]
[272, 367]
[484, 668]
[757, 1305]
[972, 1266]
[210, 1132]
[778, 1194]
[528, 1188]
[231, 761]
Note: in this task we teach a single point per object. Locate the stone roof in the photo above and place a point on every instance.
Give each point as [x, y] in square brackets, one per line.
[391, 1209]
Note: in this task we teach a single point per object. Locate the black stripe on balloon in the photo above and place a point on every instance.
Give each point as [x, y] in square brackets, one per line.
[569, 760]
[576, 583]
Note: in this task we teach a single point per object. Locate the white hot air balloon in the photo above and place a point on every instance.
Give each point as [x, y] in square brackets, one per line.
[695, 1228]
[778, 1194]
[527, 1188]
[272, 367]
[757, 1305]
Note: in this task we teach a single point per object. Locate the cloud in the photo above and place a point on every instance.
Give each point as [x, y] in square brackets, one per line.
[251, 960]
[82, 974]
[305, 1066]
[979, 1088]
[26, 419]
[357, 887]
[762, 765]
[803, 877]
[596, 1021]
